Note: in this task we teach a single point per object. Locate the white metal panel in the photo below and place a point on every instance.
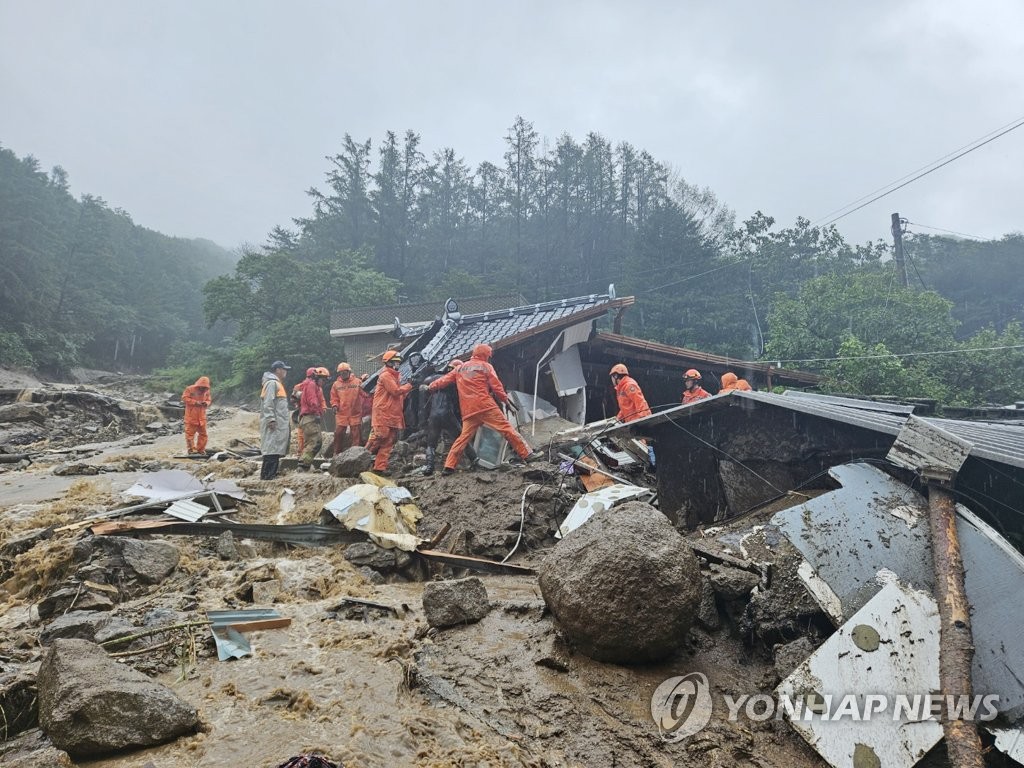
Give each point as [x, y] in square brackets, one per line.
[589, 504]
[905, 661]
[567, 371]
[186, 510]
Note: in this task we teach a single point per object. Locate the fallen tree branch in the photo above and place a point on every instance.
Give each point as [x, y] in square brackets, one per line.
[157, 631]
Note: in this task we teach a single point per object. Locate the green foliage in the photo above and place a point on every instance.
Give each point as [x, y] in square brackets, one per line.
[282, 307]
[867, 370]
[188, 360]
[13, 352]
[80, 283]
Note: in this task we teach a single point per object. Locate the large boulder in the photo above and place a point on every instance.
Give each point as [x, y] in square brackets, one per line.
[90, 705]
[95, 626]
[461, 601]
[350, 462]
[148, 562]
[624, 587]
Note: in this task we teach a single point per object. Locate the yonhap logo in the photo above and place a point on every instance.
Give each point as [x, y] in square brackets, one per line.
[681, 706]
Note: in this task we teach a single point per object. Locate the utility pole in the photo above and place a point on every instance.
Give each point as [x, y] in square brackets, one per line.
[897, 239]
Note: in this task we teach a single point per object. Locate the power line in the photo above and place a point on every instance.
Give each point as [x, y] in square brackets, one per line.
[900, 354]
[932, 167]
[950, 231]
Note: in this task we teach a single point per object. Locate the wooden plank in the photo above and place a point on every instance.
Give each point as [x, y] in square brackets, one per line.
[253, 626]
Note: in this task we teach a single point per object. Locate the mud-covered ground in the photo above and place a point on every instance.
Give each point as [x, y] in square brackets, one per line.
[370, 688]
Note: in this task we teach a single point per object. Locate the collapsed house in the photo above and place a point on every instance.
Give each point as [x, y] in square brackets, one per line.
[722, 456]
[555, 351]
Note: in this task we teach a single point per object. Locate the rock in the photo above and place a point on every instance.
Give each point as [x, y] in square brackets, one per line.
[84, 597]
[707, 611]
[624, 587]
[461, 601]
[732, 583]
[350, 462]
[17, 703]
[82, 625]
[370, 575]
[226, 548]
[90, 705]
[76, 468]
[156, 426]
[36, 412]
[31, 749]
[789, 656]
[553, 655]
[265, 592]
[149, 562]
[370, 555]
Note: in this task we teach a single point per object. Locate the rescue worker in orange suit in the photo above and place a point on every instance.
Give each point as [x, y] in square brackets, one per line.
[196, 398]
[348, 409]
[440, 414]
[692, 390]
[478, 386]
[388, 417]
[632, 403]
[311, 411]
[730, 382]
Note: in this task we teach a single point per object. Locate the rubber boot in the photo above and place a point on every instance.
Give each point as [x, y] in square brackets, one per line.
[428, 468]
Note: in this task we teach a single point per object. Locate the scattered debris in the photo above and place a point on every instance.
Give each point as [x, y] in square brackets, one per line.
[591, 503]
[381, 510]
[351, 462]
[227, 628]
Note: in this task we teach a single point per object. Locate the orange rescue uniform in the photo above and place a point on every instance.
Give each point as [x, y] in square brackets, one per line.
[346, 398]
[196, 398]
[388, 417]
[478, 385]
[632, 403]
[695, 394]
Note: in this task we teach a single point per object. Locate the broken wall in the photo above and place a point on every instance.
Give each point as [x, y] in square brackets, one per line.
[713, 465]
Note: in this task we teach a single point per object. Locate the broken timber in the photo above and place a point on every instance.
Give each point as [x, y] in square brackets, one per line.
[938, 455]
[473, 563]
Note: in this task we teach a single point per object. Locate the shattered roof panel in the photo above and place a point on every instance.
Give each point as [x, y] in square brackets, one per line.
[1002, 443]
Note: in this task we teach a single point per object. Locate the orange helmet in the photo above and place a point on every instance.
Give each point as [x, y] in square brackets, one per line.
[693, 373]
[619, 370]
[455, 363]
[321, 371]
[391, 354]
[311, 371]
[483, 350]
[344, 367]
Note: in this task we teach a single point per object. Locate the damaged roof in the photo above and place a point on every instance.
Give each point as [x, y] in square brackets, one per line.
[685, 357]
[423, 312]
[456, 335]
[1002, 443]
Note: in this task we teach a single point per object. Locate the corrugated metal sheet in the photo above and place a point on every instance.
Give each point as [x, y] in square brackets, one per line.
[852, 402]
[186, 510]
[1001, 443]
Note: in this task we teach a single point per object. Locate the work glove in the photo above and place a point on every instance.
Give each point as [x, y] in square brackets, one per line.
[424, 387]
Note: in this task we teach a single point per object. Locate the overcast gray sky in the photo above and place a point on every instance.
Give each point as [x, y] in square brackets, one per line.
[211, 119]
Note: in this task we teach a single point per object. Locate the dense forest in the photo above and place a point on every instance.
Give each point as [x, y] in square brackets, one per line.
[394, 224]
[81, 284]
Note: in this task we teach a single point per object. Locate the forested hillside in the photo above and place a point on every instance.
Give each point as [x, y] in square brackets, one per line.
[570, 218]
[81, 284]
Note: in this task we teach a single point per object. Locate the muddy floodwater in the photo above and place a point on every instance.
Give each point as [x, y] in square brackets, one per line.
[363, 686]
